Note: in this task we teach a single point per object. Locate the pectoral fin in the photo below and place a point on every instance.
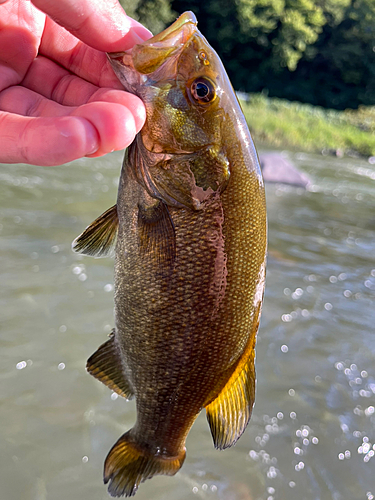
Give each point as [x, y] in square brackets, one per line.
[106, 365]
[156, 234]
[99, 238]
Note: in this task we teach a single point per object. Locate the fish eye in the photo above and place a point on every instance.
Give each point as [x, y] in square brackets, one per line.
[203, 90]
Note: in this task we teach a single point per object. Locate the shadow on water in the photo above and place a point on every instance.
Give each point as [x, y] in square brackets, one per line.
[312, 434]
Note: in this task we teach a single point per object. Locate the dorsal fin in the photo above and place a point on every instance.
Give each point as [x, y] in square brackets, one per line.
[229, 414]
[99, 238]
[106, 365]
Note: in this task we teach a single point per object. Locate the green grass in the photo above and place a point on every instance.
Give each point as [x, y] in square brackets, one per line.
[291, 125]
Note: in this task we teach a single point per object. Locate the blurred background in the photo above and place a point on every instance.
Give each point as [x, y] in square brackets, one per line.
[318, 52]
[312, 433]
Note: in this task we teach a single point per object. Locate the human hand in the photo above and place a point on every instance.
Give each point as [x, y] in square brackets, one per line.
[59, 98]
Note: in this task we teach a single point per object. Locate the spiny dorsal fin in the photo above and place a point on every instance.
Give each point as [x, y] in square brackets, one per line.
[130, 462]
[229, 414]
[156, 234]
[99, 238]
[105, 365]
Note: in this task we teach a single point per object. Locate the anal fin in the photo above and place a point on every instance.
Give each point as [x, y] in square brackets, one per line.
[99, 238]
[105, 365]
[229, 413]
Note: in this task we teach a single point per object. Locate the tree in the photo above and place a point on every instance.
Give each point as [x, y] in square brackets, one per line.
[316, 51]
[340, 72]
[154, 14]
[267, 35]
[286, 26]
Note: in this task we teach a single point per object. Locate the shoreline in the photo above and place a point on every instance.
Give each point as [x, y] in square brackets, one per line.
[278, 123]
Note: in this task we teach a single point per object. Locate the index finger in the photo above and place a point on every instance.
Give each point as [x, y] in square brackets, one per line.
[101, 24]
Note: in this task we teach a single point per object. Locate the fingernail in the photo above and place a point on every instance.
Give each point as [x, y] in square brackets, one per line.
[92, 140]
[141, 30]
[134, 36]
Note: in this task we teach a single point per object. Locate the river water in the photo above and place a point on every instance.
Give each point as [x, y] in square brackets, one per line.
[312, 434]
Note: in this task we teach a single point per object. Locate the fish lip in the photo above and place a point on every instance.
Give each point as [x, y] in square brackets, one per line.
[185, 19]
[182, 30]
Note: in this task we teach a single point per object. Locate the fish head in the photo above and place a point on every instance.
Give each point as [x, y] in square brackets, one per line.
[194, 128]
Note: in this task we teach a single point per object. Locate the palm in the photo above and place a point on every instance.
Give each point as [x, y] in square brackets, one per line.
[48, 73]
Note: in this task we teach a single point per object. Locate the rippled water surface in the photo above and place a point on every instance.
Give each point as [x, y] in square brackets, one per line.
[312, 434]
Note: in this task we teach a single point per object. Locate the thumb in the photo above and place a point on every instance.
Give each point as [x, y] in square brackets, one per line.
[101, 24]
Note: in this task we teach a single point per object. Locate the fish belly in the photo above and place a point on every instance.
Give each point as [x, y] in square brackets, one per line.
[183, 329]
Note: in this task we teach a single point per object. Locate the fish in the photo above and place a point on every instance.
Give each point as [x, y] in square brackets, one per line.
[189, 235]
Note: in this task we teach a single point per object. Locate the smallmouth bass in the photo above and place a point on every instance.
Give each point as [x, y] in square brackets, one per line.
[189, 231]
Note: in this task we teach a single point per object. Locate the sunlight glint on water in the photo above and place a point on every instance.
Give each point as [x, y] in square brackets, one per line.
[312, 434]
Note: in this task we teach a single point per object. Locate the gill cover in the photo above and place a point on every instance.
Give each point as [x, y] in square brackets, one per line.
[178, 157]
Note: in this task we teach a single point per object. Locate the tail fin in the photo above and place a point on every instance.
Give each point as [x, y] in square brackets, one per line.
[129, 463]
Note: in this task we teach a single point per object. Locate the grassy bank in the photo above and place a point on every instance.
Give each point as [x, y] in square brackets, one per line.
[291, 125]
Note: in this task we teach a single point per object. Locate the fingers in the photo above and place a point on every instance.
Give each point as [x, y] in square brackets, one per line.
[64, 48]
[61, 117]
[51, 80]
[57, 84]
[100, 24]
[19, 41]
[129, 101]
[94, 129]
[45, 141]
[25, 102]
[115, 127]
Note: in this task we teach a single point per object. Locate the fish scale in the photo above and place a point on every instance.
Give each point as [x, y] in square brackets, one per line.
[190, 233]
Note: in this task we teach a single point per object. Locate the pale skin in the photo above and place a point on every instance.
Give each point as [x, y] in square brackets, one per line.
[59, 98]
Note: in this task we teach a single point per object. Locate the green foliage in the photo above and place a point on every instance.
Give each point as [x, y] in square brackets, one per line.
[316, 51]
[363, 118]
[130, 7]
[259, 16]
[334, 10]
[286, 26]
[154, 14]
[284, 124]
[341, 71]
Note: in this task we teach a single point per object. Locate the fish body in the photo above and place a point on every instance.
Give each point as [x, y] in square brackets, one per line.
[190, 233]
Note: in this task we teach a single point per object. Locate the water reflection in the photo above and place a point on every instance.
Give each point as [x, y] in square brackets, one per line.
[312, 433]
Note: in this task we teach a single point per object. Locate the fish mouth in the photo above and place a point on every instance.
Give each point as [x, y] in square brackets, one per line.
[151, 53]
[181, 30]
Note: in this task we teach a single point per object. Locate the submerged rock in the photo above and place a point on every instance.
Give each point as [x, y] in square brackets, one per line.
[276, 168]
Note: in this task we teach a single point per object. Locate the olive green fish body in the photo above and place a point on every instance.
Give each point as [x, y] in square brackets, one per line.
[190, 223]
